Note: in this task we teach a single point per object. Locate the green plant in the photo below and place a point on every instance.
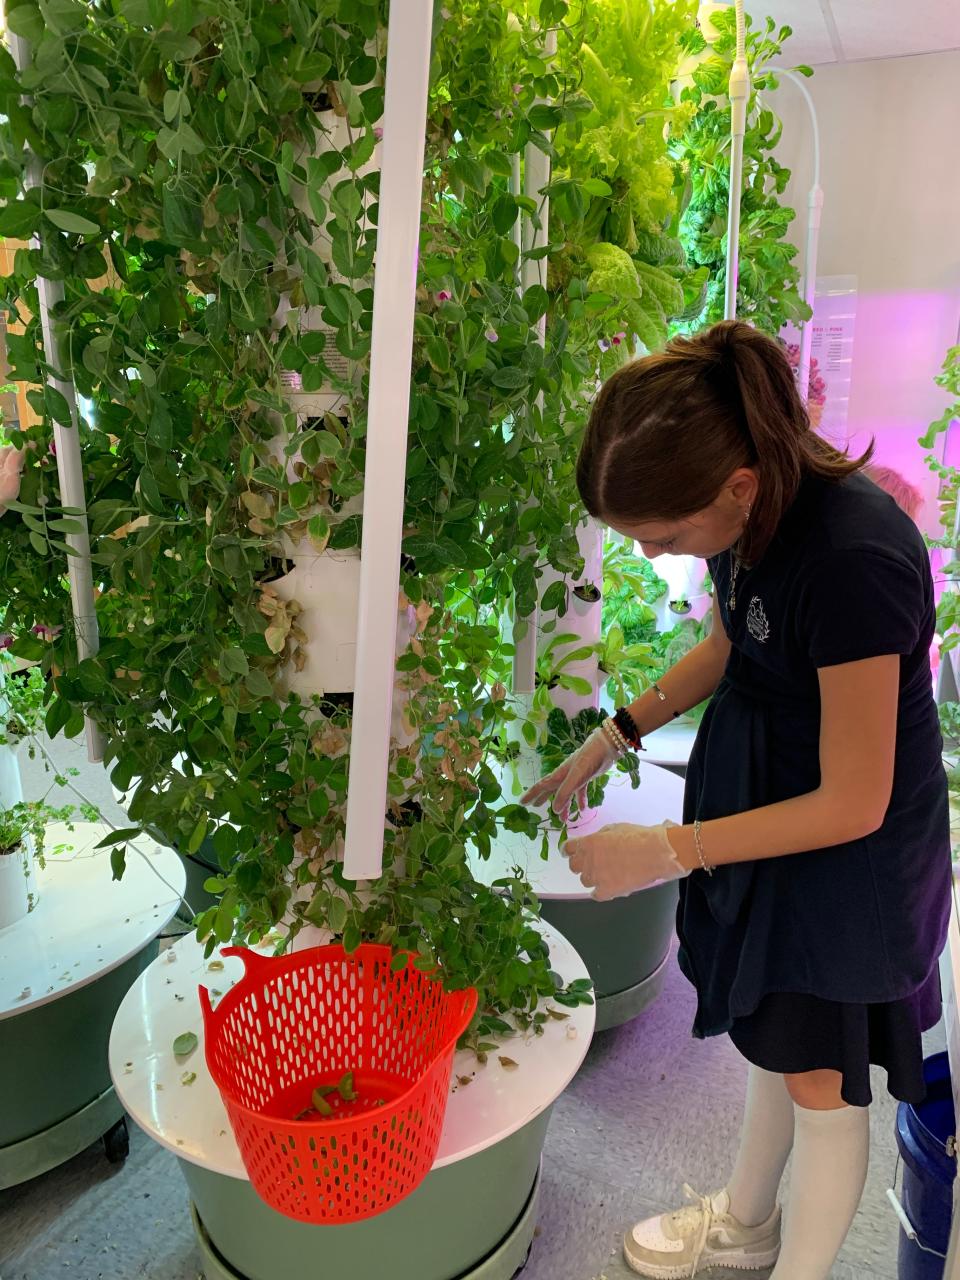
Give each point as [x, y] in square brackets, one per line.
[209, 203]
[948, 607]
[950, 725]
[631, 585]
[613, 191]
[767, 285]
[30, 818]
[23, 694]
[563, 737]
[949, 379]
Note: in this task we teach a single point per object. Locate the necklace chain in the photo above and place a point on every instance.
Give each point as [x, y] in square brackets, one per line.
[734, 571]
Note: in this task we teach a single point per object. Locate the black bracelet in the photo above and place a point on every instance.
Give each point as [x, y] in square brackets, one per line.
[628, 727]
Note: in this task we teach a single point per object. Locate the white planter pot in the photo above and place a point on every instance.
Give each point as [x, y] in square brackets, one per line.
[18, 885]
[684, 577]
[327, 587]
[582, 619]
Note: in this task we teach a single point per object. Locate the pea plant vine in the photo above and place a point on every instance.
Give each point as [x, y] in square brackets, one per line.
[209, 202]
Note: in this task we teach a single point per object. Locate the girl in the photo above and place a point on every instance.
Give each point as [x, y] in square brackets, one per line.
[814, 859]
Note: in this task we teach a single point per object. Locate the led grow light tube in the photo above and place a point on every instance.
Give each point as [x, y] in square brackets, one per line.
[739, 95]
[808, 286]
[67, 443]
[394, 298]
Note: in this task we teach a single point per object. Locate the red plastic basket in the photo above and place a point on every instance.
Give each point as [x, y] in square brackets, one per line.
[301, 1021]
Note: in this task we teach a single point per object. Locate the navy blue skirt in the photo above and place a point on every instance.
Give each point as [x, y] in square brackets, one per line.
[790, 1034]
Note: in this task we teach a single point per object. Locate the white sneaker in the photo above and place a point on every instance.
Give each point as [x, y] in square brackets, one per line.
[703, 1235]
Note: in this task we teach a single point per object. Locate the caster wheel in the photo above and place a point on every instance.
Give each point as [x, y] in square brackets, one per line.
[116, 1143]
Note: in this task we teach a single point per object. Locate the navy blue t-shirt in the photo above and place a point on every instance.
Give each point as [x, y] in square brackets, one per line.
[846, 577]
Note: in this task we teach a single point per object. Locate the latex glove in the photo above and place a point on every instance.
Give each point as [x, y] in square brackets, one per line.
[595, 756]
[621, 858]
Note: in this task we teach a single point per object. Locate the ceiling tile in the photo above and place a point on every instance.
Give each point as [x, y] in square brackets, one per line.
[810, 41]
[871, 30]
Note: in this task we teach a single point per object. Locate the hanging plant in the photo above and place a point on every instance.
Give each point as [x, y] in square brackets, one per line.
[945, 549]
[613, 190]
[767, 293]
[209, 203]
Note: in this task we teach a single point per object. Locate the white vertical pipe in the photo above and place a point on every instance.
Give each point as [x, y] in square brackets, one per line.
[808, 288]
[583, 619]
[536, 176]
[517, 233]
[739, 94]
[809, 285]
[67, 441]
[408, 67]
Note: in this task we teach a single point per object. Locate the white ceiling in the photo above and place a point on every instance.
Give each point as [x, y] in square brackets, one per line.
[852, 30]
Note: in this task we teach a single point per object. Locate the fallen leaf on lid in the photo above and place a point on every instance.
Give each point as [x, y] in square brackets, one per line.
[188, 1077]
[185, 1044]
[214, 965]
[508, 1064]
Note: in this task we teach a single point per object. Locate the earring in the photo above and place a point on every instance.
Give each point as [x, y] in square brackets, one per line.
[746, 514]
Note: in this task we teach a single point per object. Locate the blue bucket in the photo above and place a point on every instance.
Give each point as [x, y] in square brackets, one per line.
[923, 1135]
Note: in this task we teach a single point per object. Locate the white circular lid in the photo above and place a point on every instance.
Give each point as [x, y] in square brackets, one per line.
[658, 798]
[177, 1103]
[671, 744]
[85, 923]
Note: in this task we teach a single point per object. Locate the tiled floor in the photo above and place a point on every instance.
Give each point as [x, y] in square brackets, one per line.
[650, 1109]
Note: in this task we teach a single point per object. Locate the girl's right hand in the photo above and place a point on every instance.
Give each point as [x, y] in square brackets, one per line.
[597, 755]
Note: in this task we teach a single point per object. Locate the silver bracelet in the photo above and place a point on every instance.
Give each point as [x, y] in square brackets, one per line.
[698, 841]
[663, 697]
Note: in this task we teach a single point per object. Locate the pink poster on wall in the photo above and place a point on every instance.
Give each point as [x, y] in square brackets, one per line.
[831, 354]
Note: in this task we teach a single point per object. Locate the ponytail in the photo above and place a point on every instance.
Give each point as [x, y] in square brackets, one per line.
[667, 431]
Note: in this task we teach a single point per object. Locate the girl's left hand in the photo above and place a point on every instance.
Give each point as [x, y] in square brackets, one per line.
[621, 858]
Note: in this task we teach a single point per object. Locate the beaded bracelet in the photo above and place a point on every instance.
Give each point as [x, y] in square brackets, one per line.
[698, 841]
[615, 737]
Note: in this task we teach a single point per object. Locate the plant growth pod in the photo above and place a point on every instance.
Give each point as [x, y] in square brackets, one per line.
[536, 176]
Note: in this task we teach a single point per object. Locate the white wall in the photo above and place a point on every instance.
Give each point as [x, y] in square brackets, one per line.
[891, 179]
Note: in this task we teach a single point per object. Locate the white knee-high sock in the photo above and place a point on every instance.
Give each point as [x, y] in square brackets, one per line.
[765, 1142]
[830, 1155]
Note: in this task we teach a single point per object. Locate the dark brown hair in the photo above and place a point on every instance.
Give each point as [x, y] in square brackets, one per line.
[667, 431]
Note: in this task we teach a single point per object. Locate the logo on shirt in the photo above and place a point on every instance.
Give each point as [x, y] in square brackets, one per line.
[757, 623]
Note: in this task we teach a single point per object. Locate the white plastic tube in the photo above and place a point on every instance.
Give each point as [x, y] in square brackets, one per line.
[517, 233]
[67, 441]
[536, 176]
[739, 94]
[408, 67]
[808, 286]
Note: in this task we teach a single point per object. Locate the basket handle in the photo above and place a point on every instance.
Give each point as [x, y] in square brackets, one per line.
[252, 962]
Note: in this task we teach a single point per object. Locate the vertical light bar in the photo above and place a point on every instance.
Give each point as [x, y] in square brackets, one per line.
[516, 234]
[808, 284]
[739, 94]
[536, 175]
[395, 278]
[67, 441]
